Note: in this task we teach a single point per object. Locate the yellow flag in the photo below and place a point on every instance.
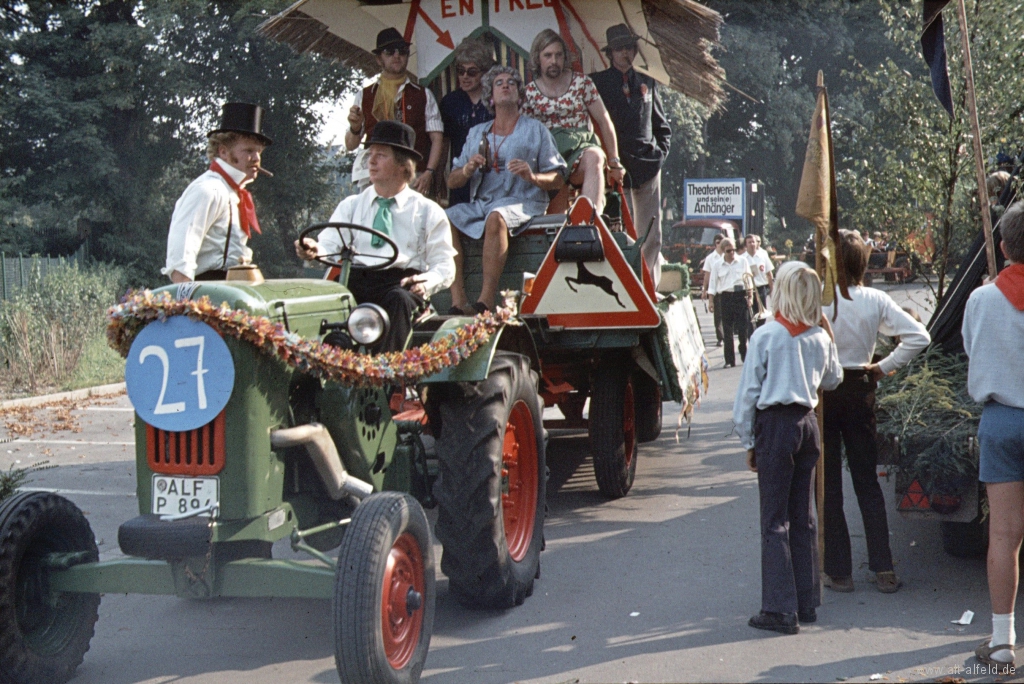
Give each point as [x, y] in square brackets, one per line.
[816, 201]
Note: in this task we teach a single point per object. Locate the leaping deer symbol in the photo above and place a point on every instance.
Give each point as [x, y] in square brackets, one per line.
[585, 277]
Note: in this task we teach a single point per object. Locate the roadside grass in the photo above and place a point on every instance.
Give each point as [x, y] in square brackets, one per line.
[98, 365]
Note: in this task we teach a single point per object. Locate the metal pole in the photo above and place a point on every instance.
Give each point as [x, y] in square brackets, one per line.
[979, 161]
[21, 271]
[3, 275]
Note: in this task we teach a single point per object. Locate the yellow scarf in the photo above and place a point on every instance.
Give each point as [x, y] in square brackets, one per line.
[384, 100]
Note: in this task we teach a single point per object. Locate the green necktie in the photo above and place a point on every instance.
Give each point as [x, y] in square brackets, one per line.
[382, 221]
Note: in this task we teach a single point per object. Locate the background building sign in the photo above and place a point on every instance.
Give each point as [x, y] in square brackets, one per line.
[722, 198]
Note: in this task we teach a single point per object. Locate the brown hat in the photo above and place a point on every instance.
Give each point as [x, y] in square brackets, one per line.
[619, 36]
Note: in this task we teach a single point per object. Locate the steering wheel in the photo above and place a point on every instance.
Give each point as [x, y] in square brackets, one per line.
[347, 253]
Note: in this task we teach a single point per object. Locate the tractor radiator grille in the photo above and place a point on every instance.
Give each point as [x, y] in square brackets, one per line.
[194, 452]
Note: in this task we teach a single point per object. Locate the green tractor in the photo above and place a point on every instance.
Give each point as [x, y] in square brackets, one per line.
[237, 449]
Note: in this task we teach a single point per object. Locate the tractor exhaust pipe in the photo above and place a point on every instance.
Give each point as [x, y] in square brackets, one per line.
[320, 446]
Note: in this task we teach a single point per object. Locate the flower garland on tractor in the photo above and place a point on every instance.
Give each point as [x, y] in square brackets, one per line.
[126, 320]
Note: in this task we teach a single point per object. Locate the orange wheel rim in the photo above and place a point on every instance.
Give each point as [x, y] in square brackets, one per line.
[519, 480]
[628, 422]
[402, 601]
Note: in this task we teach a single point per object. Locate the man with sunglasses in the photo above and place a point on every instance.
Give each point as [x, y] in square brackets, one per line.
[727, 280]
[396, 97]
[464, 107]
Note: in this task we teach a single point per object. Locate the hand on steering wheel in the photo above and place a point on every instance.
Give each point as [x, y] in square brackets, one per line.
[347, 253]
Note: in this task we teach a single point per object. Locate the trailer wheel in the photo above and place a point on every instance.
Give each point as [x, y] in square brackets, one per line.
[965, 539]
[492, 485]
[613, 428]
[43, 637]
[384, 592]
[647, 400]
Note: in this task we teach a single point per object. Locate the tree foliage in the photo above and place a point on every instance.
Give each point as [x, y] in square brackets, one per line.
[106, 104]
[906, 167]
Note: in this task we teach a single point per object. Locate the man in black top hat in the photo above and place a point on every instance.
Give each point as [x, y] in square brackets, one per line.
[634, 104]
[397, 97]
[418, 226]
[214, 218]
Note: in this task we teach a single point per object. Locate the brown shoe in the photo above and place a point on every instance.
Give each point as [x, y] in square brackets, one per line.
[887, 582]
[840, 584]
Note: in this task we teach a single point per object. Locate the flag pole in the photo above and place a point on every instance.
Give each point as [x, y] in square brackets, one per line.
[820, 265]
[979, 161]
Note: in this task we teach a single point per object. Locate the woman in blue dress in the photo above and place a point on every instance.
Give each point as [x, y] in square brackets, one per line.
[507, 187]
[464, 107]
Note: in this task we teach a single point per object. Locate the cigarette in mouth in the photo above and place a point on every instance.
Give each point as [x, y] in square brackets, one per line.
[264, 171]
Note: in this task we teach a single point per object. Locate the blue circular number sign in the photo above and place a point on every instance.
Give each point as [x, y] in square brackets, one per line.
[179, 374]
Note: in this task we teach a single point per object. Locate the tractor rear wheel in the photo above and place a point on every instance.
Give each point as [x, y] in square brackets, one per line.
[613, 428]
[384, 592]
[43, 637]
[492, 485]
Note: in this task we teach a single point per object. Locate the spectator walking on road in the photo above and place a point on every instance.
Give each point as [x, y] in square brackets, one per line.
[993, 329]
[849, 414]
[705, 267]
[775, 420]
[729, 283]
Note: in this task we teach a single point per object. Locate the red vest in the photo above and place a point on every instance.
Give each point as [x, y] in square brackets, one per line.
[411, 108]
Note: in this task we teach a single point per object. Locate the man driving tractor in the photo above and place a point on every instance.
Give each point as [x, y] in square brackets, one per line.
[417, 226]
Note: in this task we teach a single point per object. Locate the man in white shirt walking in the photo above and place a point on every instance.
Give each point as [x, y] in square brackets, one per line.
[727, 281]
[716, 304]
[214, 218]
[760, 265]
[417, 225]
[849, 415]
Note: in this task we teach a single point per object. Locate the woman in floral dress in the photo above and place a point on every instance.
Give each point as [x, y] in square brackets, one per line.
[565, 102]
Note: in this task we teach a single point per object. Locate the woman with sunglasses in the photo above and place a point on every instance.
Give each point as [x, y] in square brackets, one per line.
[464, 107]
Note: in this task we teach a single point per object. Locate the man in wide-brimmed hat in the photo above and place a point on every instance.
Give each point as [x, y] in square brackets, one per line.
[397, 97]
[214, 218]
[634, 104]
[417, 225]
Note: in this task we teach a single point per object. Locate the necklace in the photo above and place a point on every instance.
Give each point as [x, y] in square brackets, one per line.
[497, 145]
[562, 94]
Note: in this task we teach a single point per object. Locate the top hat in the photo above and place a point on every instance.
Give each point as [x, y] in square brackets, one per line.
[239, 117]
[397, 135]
[389, 38]
[619, 36]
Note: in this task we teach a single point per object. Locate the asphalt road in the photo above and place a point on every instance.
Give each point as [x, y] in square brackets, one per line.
[654, 587]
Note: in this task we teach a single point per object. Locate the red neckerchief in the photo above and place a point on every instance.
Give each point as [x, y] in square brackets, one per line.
[1011, 283]
[246, 209]
[793, 328]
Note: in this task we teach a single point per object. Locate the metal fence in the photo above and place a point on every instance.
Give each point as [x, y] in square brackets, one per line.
[17, 271]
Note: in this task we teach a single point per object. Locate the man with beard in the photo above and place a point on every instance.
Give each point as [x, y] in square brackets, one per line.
[565, 101]
[635, 108]
[395, 97]
[214, 218]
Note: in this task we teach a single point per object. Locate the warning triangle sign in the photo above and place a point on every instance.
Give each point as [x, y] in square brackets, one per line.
[591, 294]
[915, 498]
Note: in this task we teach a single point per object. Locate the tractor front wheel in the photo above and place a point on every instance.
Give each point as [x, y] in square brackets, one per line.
[43, 636]
[384, 592]
[613, 428]
[492, 485]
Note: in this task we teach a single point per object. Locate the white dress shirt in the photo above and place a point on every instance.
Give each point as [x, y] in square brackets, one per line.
[783, 369]
[993, 330]
[710, 260]
[419, 227]
[726, 276]
[204, 217]
[859, 321]
[760, 265]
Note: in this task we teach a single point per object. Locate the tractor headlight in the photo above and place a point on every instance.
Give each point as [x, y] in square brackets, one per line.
[368, 323]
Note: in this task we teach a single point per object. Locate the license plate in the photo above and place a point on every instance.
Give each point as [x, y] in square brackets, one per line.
[183, 495]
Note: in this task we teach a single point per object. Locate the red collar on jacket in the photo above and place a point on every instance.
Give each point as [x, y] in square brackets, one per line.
[793, 328]
[1011, 283]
